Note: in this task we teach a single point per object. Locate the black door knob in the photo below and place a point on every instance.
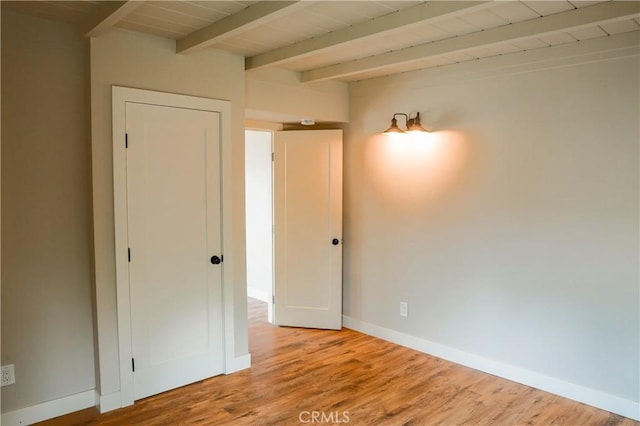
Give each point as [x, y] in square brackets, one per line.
[335, 241]
[216, 260]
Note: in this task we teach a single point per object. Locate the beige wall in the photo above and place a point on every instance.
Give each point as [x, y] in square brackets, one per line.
[135, 60]
[47, 329]
[277, 95]
[513, 231]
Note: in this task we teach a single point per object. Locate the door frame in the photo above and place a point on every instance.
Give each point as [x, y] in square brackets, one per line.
[120, 96]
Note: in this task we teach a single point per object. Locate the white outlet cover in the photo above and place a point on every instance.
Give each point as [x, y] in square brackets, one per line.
[404, 309]
[8, 375]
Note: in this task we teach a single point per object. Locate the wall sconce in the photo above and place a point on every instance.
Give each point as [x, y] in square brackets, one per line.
[412, 124]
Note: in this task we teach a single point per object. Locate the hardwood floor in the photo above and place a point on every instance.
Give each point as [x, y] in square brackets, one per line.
[339, 377]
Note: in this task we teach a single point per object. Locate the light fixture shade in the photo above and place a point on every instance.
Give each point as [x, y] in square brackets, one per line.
[413, 125]
[394, 127]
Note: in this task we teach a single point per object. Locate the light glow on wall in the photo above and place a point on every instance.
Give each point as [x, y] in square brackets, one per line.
[413, 167]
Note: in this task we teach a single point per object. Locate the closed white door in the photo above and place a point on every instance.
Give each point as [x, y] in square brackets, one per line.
[173, 195]
[308, 228]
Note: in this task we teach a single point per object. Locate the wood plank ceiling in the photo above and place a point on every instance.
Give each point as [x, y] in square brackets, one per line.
[351, 40]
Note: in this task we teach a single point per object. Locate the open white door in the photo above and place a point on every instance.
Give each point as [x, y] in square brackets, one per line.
[173, 200]
[308, 228]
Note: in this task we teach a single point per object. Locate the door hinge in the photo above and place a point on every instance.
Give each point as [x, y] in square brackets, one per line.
[126, 140]
[273, 156]
[129, 254]
[273, 299]
[133, 364]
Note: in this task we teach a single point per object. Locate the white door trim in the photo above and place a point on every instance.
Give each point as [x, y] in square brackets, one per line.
[120, 96]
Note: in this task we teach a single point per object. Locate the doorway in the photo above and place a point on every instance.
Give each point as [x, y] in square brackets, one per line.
[294, 225]
[259, 216]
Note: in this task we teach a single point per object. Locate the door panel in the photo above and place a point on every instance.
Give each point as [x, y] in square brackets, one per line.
[173, 194]
[308, 216]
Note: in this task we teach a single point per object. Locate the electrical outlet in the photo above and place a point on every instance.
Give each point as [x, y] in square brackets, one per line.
[8, 375]
[404, 309]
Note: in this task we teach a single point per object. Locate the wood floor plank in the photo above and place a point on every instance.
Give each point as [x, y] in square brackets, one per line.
[296, 372]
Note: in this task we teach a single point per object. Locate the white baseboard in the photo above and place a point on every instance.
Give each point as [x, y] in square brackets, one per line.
[540, 381]
[239, 363]
[50, 409]
[109, 402]
[258, 294]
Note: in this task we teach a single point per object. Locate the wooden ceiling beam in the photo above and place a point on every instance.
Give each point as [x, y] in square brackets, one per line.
[420, 14]
[564, 21]
[107, 16]
[248, 18]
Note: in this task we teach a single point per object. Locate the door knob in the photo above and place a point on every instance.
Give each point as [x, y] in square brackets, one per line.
[335, 241]
[216, 260]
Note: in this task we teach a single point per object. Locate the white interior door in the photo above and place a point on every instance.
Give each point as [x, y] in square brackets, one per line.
[308, 228]
[173, 196]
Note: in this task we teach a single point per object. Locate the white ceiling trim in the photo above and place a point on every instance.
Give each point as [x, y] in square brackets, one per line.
[107, 16]
[574, 19]
[420, 14]
[251, 17]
